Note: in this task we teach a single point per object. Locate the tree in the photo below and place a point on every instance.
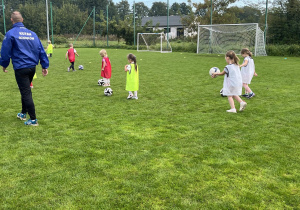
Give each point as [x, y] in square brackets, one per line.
[284, 23]
[175, 9]
[247, 14]
[185, 9]
[158, 9]
[123, 9]
[112, 11]
[221, 12]
[141, 10]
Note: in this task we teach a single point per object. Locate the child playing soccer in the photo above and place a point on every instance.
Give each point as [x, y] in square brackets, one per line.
[132, 81]
[105, 68]
[232, 85]
[49, 49]
[248, 70]
[71, 55]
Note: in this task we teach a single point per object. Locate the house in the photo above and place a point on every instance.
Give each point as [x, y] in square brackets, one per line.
[176, 29]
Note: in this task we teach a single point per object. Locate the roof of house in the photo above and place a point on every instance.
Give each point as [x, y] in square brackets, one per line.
[162, 20]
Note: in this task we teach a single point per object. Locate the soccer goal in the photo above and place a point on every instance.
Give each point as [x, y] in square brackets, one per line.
[155, 42]
[218, 39]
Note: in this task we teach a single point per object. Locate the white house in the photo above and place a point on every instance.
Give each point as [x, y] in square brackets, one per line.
[176, 28]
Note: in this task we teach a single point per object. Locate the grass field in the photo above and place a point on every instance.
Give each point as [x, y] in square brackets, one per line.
[174, 148]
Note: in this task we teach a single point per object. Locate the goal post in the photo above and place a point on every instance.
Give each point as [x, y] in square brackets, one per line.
[154, 42]
[219, 38]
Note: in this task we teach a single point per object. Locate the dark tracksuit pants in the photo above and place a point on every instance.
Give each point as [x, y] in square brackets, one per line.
[24, 78]
[72, 66]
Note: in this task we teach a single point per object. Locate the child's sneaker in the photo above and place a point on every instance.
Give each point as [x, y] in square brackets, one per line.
[251, 95]
[31, 122]
[245, 95]
[135, 97]
[243, 105]
[21, 116]
[231, 110]
[68, 69]
[130, 96]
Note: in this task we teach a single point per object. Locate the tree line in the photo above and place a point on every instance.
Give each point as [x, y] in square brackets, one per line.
[69, 16]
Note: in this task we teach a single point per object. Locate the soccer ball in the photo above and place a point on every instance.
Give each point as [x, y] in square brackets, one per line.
[221, 92]
[80, 67]
[108, 91]
[214, 70]
[101, 82]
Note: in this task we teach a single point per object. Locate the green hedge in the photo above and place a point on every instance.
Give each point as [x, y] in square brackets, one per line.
[272, 50]
[283, 50]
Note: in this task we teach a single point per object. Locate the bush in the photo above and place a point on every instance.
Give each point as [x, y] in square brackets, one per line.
[1, 37]
[283, 50]
[60, 40]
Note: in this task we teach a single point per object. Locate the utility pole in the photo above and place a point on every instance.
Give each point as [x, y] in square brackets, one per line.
[47, 21]
[134, 23]
[3, 8]
[107, 25]
[51, 21]
[94, 30]
[211, 12]
[168, 23]
[266, 23]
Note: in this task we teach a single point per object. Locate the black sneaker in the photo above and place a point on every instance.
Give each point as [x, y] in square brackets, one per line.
[251, 95]
[245, 95]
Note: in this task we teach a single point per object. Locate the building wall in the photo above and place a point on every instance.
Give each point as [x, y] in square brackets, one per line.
[173, 32]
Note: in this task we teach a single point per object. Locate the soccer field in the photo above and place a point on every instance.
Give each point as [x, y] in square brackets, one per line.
[173, 148]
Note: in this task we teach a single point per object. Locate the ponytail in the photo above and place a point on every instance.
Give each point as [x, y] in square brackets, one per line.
[231, 54]
[133, 58]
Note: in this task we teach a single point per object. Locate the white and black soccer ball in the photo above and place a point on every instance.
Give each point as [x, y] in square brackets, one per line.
[214, 70]
[101, 82]
[108, 91]
[80, 67]
[221, 92]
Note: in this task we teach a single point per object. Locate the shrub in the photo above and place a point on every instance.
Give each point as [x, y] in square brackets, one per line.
[1, 37]
[283, 50]
[60, 40]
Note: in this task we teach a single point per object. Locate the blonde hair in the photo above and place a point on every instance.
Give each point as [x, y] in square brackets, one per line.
[246, 51]
[70, 45]
[103, 52]
[231, 54]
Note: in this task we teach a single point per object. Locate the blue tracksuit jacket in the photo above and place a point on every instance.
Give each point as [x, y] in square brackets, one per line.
[23, 47]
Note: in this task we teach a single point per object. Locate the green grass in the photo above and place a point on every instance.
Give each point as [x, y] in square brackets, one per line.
[174, 148]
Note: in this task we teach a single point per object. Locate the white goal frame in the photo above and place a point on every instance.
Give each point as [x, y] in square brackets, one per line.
[162, 50]
[210, 43]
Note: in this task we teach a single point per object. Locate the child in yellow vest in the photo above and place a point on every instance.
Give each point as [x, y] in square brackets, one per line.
[49, 49]
[132, 80]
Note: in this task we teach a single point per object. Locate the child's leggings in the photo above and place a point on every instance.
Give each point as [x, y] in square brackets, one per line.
[72, 65]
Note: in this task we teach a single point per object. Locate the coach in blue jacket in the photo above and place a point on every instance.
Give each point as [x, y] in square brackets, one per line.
[25, 50]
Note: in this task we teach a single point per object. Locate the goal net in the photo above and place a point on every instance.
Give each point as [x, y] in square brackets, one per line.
[218, 39]
[155, 42]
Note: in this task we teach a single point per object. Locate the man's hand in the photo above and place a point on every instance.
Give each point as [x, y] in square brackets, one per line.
[4, 70]
[45, 72]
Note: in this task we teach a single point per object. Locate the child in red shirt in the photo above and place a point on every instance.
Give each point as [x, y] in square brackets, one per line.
[105, 68]
[71, 55]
